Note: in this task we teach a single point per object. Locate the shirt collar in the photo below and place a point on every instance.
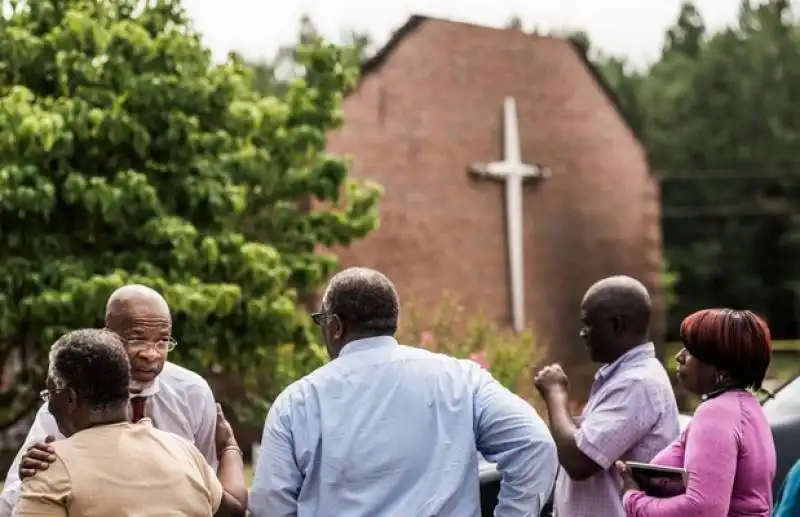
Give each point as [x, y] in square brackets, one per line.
[150, 390]
[632, 356]
[370, 343]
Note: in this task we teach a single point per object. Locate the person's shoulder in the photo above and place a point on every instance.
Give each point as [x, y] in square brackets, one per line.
[294, 395]
[453, 371]
[181, 378]
[166, 438]
[440, 363]
[55, 482]
[64, 448]
[793, 477]
[649, 375]
[73, 450]
[719, 417]
[45, 422]
[424, 355]
[727, 405]
[171, 445]
[648, 383]
[151, 438]
[173, 373]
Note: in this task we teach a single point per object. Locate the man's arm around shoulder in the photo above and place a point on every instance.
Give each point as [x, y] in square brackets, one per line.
[43, 425]
[46, 494]
[510, 433]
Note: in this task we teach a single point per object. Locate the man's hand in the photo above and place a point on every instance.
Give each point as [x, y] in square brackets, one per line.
[224, 433]
[37, 458]
[551, 380]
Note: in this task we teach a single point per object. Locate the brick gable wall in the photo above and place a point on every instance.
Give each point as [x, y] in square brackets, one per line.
[434, 106]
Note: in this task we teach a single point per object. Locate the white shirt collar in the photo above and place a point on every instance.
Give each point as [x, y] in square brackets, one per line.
[150, 390]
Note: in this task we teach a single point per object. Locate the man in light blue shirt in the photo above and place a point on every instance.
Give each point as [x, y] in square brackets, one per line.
[393, 431]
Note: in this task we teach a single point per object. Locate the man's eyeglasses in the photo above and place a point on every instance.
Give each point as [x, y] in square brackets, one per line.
[45, 394]
[320, 318]
[143, 345]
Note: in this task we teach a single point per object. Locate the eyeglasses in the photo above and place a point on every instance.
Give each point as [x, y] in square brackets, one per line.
[45, 394]
[143, 345]
[320, 318]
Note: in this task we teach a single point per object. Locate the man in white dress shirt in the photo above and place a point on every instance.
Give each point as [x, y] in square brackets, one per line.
[175, 399]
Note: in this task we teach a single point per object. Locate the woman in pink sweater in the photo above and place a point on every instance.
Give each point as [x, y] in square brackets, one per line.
[727, 449]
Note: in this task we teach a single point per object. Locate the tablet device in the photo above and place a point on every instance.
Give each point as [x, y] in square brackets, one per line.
[658, 478]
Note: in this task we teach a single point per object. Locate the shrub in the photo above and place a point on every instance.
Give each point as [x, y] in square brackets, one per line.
[291, 362]
[450, 330]
[128, 155]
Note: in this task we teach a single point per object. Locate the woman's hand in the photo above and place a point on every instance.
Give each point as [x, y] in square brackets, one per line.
[627, 480]
[224, 433]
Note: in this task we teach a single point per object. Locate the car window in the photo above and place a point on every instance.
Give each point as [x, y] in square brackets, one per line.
[786, 402]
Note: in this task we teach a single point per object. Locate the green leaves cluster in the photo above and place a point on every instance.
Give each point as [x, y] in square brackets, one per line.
[505, 354]
[722, 125]
[719, 118]
[128, 155]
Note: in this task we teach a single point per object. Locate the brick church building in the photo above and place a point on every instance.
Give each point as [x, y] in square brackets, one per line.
[429, 104]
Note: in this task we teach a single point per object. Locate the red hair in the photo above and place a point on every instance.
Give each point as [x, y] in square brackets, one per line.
[738, 342]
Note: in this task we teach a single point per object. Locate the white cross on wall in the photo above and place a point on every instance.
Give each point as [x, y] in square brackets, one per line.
[513, 171]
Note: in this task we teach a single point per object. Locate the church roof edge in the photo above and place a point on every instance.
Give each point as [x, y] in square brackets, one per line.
[374, 63]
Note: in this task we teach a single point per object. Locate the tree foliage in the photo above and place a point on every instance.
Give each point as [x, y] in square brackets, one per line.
[273, 76]
[719, 116]
[722, 126]
[127, 155]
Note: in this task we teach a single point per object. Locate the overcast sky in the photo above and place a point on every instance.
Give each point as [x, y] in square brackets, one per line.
[633, 28]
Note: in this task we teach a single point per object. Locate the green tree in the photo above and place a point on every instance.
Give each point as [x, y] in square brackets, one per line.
[516, 23]
[127, 155]
[686, 36]
[273, 76]
[723, 127]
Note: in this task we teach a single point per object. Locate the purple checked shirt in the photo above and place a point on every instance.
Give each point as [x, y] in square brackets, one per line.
[631, 415]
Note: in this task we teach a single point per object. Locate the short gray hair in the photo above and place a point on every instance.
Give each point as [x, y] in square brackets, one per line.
[93, 363]
[365, 299]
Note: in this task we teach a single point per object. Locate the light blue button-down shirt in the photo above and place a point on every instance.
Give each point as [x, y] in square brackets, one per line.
[387, 430]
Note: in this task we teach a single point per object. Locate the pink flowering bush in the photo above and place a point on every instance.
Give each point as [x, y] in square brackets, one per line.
[450, 330]
[480, 358]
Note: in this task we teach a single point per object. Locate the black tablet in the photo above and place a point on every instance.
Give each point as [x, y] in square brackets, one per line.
[657, 478]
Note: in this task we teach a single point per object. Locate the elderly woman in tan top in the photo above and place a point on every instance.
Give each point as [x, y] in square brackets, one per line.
[109, 467]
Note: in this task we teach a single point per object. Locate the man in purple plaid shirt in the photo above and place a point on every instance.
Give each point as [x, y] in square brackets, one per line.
[631, 413]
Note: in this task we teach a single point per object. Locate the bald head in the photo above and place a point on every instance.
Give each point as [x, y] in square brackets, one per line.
[365, 299]
[140, 316]
[136, 299]
[620, 296]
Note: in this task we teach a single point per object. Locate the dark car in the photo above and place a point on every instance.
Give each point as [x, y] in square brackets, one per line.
[782, 412]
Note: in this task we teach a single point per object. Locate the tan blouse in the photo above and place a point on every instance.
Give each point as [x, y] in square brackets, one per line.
[123, 470]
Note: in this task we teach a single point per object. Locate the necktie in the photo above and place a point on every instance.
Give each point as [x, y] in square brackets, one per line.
[138, 408]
